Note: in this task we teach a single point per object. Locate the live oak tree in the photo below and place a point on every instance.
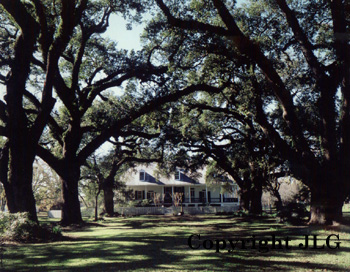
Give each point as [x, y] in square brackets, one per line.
[217, 127]
[213, 131]
[105, 170]
[2, 198]
[90, 66]
[92, 180]
[46, 186]
[300, 75]
[34, 41]
[32, 33]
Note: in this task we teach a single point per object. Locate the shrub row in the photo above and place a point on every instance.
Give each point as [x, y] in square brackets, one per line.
[18, 227]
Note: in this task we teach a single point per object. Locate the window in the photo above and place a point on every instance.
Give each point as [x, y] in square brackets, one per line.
[192, 192]
[221, 178]
[142, 175]
[150, 195]
[177, 175]
[202, 197]
[138, 195]
[192, 195]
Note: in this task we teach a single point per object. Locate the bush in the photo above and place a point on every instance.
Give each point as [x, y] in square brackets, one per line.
[15, 226]
[294, 213]
[88, 212]
[146, 202]
[18, 227]
[133, 203]
[56, 230]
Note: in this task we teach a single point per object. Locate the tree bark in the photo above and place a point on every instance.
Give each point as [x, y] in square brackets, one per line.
[278, 203]
[245, 196]
[96, 205]
[9, 197]
[18, 185]
[21, 187]
[21, 145]
[108, 199]
[256, 194]
[326, 207]
[71, 213]
[255, 187]
[328, 192]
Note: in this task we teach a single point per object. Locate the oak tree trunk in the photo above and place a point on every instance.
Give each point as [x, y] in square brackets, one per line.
[71, 213]
[245, 196]
[278, 203]
[18, 187]
[256, 194]
[326, 207]
[108, 199]
[328, 194]
[96, 206]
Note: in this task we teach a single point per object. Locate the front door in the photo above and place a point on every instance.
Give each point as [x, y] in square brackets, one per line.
[168, 199]
[202, 197]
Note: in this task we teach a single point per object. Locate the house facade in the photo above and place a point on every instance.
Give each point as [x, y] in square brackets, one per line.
[179, 188]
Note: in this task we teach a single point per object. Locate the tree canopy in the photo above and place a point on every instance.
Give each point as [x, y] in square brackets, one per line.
[293, 60]
[263, 79]
[63, 52]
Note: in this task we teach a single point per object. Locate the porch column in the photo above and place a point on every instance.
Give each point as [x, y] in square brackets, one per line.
[220, 198]
[172, 194]
[206, 194]
[189, 194]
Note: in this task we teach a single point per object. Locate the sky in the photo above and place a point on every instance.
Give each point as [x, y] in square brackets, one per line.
[130, 39]
[127, 39]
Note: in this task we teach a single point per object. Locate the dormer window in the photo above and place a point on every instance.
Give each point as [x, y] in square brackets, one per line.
[142, 175]
[222, 178]
[219, 178]
[177, 175]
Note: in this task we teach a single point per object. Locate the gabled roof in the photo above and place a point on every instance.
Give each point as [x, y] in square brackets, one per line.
[152, 177]
[132, 178]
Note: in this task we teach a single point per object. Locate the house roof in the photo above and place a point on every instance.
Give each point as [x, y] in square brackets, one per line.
[153, 178]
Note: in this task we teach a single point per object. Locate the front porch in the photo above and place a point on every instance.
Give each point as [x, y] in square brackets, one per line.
[187, 196]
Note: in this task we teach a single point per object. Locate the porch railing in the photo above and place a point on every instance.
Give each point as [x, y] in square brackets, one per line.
[174, 210]
[210, 200]
[197, 200]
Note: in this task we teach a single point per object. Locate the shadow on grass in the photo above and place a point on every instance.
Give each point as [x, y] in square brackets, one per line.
[161, 243]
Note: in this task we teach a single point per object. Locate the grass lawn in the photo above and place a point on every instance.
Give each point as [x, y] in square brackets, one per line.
[149, 243]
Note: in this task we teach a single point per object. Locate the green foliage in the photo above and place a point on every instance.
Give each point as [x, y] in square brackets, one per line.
[57, 230]
[286, 103]
[133, 203]
[294, 213]
[17, 227]
[241, 213]
[88, 212]
[11, 224]
[146, 202]
[2, 198]
[46, 186]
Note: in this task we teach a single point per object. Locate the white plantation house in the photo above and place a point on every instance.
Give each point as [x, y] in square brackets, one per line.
[145, 183]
